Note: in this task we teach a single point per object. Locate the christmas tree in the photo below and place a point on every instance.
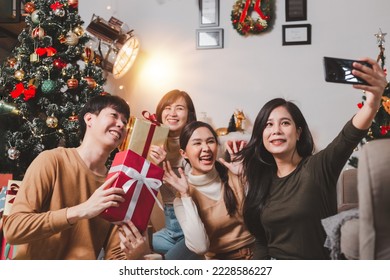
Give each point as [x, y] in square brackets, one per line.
[45, 83]
[380, 127]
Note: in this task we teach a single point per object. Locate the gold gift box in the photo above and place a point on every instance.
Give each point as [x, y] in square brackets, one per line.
[143, 133]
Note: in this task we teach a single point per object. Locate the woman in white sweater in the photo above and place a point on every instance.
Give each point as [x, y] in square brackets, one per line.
[209, 206]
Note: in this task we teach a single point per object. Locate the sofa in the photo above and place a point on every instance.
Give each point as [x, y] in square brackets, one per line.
[364, 204]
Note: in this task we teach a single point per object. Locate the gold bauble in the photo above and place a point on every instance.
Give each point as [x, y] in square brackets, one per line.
[78, 30]
[52, 122]
[19, 74]
[71, 39]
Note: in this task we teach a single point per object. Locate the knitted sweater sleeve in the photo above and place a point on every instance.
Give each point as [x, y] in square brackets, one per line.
[29, 220]
[196, 238]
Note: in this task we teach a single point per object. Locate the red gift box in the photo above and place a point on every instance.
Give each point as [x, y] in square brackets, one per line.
[8, 250]
[140, 179]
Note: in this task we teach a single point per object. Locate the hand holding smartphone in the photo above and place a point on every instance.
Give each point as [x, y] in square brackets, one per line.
[339, 70]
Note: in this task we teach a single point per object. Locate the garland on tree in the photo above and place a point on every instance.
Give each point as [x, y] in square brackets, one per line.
[242, 20]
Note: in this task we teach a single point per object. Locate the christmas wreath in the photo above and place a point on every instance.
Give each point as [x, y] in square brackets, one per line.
[242, 20]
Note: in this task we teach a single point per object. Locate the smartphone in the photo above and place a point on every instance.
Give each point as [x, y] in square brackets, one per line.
[339, 70]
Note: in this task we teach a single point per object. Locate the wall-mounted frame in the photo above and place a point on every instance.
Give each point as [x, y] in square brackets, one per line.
[296, 10]
[208, 13]
[10, 11]
[296, 34]
[211, 38]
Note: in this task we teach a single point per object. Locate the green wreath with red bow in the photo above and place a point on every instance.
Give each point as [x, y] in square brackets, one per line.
[242, 20]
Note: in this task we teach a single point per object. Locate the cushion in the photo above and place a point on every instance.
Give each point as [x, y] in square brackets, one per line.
[347, 195]
[349, 239]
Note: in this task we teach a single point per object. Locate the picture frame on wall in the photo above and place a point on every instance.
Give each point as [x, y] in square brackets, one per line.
[208, 13]
[296, 34]
[211, 38]
[10, 11]
[296, 10]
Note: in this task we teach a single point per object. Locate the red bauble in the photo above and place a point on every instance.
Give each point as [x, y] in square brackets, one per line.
[87, 55]
[90, 82]
[29, 7]
[73, 118]
[59, 63]
[72, 83]
[73, 3]
[38, 32]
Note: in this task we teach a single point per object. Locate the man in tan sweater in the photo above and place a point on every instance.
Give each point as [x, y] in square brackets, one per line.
[55, 214]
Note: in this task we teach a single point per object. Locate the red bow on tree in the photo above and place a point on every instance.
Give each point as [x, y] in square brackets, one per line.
[49, 51]
[28, 92]
[56, 5]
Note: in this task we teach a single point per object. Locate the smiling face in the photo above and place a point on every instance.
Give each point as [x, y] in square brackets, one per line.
[201, 151]
[108, 127]
[280, 134]
[175, 116]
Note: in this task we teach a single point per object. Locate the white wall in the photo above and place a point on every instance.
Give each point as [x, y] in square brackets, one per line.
[248, 71]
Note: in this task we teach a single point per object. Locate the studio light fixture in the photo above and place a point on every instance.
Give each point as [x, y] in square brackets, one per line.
[115, 43]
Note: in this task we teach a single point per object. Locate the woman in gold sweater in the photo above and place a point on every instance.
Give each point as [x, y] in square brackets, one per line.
[209, 206]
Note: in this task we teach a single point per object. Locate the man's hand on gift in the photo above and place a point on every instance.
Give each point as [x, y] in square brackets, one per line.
[157, 153]
[133, 243]
[233, 147]
[179, 183]
[103, 198]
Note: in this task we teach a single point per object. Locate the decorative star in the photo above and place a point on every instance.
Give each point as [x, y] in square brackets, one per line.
[380, 36]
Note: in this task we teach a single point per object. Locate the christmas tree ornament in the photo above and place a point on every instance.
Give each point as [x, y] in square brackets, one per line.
[90, 82]
[29, 7]
[34, 57]
[51, 121]
[38, 32]
[240, 117]
[48, 86]
[71, 39]
[73, 117]
[78, 30]
[12, 62]
[73, 3]
[6, 108]
[386, 104]
[59, 12]
[59, 63]
[232, 124]
[35, 16]
[19, 74]
[72, 83]
[87, 54]
[13, 153]
[242, 20]
[62, 39]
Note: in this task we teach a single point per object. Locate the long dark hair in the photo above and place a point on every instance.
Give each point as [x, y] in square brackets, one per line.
[259, 165]
[229, 197]
[171, 97]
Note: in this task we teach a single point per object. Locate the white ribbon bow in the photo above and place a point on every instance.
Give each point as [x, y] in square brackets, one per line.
[141, 179]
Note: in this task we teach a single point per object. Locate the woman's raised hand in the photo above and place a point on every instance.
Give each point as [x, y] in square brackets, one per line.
[179, 183]
[233, 147]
